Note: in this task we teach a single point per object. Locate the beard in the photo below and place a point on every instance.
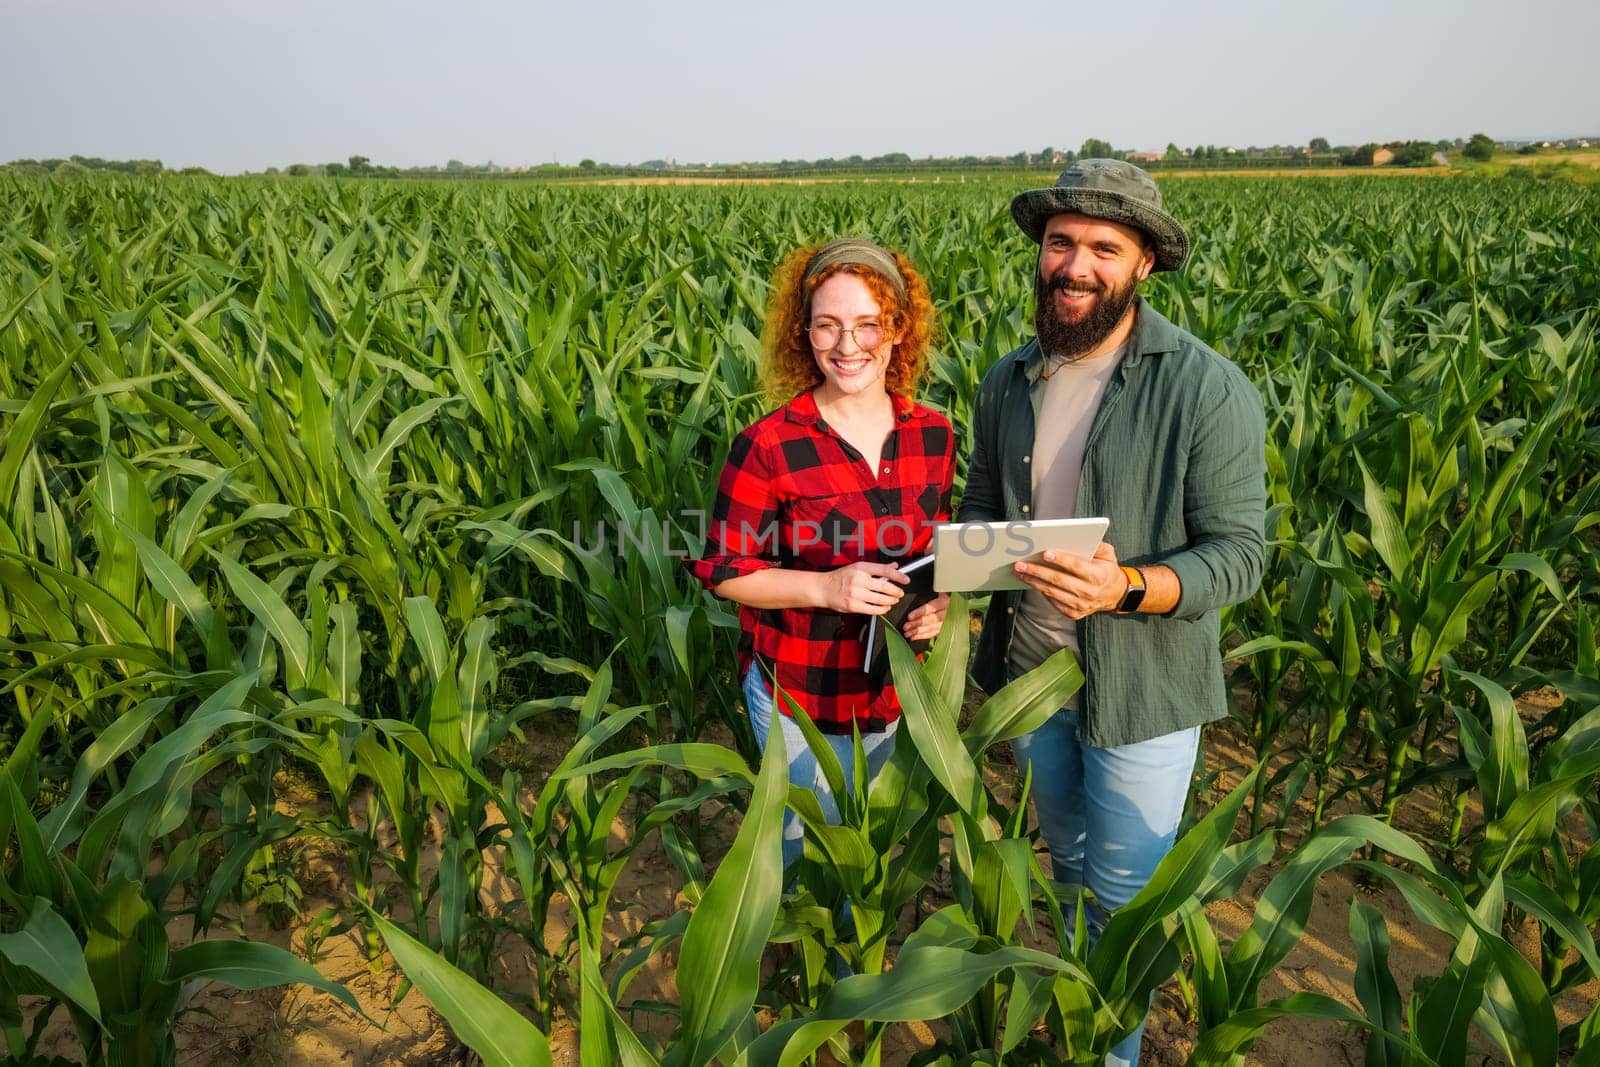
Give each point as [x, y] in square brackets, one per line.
[1074, 340]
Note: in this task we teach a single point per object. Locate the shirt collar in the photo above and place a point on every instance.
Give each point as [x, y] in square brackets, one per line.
[802, 410]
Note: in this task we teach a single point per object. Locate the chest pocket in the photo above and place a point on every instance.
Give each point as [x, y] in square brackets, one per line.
[817, 529]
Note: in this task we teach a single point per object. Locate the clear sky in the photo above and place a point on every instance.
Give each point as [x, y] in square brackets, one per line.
[234, 85]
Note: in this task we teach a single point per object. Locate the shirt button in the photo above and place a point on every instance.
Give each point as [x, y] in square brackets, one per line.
[1027, 459]
[886, 470]
[1011, 611]
[1024, 509]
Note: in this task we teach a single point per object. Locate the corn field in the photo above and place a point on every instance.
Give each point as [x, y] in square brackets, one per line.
[304, 480]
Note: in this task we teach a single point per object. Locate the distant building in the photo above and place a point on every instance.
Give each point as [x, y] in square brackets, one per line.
[1382, 156]
[1146, 157]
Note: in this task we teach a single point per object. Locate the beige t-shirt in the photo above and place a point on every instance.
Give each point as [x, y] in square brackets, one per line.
[1072, 396]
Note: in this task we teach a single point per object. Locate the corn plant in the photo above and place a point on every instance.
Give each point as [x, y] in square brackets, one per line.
[89, 927]
[336, 437]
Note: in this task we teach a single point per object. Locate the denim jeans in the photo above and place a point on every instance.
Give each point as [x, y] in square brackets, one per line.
[804, 771]
[1108, 815]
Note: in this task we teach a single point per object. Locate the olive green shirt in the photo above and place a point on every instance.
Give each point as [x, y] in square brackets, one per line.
[1176, 459]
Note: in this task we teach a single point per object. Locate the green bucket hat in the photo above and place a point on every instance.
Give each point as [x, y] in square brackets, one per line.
[1108, 189]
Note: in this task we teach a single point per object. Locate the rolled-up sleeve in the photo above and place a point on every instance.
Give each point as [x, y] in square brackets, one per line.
[742, 536]
[1225, 499]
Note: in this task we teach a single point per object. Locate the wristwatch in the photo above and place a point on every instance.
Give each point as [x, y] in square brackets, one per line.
[1135, 594]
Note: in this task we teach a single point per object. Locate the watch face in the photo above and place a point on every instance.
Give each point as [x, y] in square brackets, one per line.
[1135, 594]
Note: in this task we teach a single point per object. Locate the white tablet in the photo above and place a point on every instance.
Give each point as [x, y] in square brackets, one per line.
[974, 556]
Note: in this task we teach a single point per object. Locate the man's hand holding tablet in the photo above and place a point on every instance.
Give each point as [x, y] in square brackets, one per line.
[1078, 586]
[981, 556]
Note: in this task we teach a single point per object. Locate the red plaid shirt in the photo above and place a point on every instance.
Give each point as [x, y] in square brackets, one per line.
[795, 494]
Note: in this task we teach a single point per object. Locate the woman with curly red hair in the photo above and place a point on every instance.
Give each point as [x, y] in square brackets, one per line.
[824, 498]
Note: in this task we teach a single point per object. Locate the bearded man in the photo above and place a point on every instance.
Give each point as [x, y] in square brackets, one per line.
[1113, 411]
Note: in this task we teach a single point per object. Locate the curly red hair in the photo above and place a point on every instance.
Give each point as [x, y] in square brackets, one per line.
[788, 367]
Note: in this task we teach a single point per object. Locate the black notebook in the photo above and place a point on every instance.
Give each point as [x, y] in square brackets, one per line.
[918, 592]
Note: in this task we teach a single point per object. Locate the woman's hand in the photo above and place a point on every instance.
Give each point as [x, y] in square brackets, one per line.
[863, 588]
[923, 623]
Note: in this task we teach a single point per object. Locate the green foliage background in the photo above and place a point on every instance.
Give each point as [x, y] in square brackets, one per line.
[299, 476]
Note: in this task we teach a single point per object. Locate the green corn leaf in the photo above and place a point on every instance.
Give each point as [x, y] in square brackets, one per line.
[316, 424]
[252, 965]
[1530, 821]
[1025, 704]
[1219, 1046]
[720, 959]
[1235, 865]
[621, 1043]
[427, 632]
[64, 822]
[121, 502]
[1439, 1020]
[1503, 775]
[453, 889]
[1179, 875]
[155, 772]
[109, 616]
[699, 759]
[1450, 606]
[21, 436]
[1527, 563]
[47, 946]
[1283, 908]
[1515, 998]
[1032, 993]
[377, 460]
[482, 1021]
[19, 761]
[1374, 985]
[946, 662]
[33, 873]
[932, 727]
[479, 667]
[1208, 974]
[344, 654]
[444, 723]
[387, 770]
[927, 983]
[174, 585]
[1543, 902]
[126, 949]
[270, 610]
[827, 760]
[1388, 536]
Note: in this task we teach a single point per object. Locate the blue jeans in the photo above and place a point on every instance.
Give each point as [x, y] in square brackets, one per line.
[804, 771]
[1108, 816]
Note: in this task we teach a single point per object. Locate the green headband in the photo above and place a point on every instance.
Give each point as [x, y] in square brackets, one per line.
[863, 253]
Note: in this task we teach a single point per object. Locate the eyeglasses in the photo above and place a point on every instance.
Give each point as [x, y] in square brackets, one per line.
[825, 336]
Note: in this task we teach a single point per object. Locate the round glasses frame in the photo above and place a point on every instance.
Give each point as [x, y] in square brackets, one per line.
[825, 336]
